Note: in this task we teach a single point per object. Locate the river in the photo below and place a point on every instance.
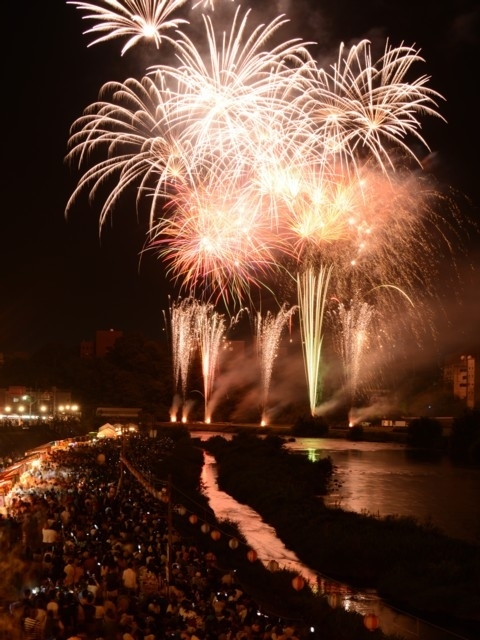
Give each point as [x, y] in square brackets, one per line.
[376, 478]
[388, 479]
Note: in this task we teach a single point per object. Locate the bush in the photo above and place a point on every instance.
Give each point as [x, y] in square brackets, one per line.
[310, 426]
[465, 438]
[355, 433]
[424, 433]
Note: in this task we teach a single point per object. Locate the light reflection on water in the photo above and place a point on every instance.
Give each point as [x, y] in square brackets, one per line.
[365, 488]
[386, 479]
[259, 535]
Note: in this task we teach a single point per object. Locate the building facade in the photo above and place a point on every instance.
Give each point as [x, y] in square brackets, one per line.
[460, 375]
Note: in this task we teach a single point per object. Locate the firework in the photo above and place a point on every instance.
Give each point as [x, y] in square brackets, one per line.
[210, 329]
[125, 125]
[218, 237]
[135, 19]
[253, 160]
[352, 326]
[268, 331]
[206, 4]
[224, 99]
[365, 108]
[312, 291]
[183, 339]
[235, 151]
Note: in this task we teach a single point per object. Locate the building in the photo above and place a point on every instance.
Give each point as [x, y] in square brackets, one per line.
[462, 377]
[22, 403]
[104, 341]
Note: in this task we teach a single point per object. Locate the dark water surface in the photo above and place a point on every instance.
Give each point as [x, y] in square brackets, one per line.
[388, 479]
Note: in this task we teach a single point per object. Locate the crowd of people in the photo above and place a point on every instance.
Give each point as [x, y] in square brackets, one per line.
[103, 563]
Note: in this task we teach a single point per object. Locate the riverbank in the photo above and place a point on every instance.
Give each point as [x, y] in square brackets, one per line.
[405, 562]
[15, 441]
[369, 433]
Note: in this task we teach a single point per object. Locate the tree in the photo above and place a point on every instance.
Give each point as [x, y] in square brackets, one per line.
[424, 433]
[465, 437]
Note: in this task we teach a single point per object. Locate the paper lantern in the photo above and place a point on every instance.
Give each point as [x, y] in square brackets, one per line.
[298, 583]
[181, 510]
[273, 565]
[215, 535]
[101, 458]
[252, 555]
[371, 622]
[233, 543]
[193, 519]
[205, 528]
[334, 600]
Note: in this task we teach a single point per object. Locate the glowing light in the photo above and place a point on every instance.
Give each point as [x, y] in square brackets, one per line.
[136, 19]
[252, 161]
[268, 330]
[352, 325]
[312, 291]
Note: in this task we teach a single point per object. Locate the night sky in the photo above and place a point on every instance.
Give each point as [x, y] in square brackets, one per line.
[60, 279]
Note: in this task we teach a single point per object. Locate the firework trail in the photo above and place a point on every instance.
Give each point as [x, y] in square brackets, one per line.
[352, 327]
[312, 291]
[210, 328]
[268, 331]
[183, 339]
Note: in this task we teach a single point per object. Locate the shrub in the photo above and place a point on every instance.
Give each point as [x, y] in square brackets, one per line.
[425, 433]
[310, 426]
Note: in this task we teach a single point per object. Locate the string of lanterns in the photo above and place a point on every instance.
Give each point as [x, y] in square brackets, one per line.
[298, 582]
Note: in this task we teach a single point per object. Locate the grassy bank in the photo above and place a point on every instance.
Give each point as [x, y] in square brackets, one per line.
[414, 567]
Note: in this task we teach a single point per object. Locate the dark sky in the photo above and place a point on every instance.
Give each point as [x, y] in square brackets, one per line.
[60, 281]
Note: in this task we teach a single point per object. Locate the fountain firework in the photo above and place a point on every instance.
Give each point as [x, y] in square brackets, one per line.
[183, 344]
[210, 328]
[312, 291]
[352, 325]
[268, 330]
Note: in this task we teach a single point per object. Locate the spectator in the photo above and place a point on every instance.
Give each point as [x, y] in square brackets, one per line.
[129, 579]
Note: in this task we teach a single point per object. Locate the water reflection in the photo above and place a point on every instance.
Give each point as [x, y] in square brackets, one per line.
[262, 537]
[386, 479]
[259, 535]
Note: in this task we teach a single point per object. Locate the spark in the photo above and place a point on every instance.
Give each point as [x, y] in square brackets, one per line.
[268, 330]
[182, 325]
[136, 19]
[312, 290]
[352, 325]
